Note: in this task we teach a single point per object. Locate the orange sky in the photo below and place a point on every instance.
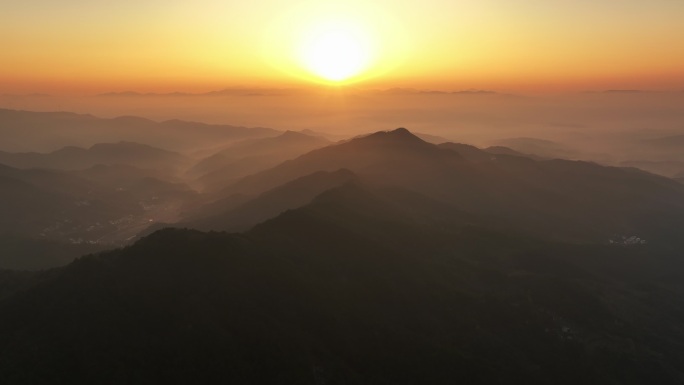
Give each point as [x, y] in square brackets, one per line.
[77, 46]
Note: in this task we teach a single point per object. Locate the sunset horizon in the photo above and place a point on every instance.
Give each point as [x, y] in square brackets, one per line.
[328, 192]
[514, 46]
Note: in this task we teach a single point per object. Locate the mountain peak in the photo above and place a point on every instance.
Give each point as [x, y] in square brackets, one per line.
[397, 136]
[400, 132]
[293, 134]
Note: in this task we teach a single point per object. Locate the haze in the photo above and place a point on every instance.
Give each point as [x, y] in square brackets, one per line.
[80, 47]
[342, 192]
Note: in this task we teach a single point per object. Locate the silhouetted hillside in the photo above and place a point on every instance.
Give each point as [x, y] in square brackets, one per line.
[350, 289]
[396, 154]
[250, 156]
[383, 259]
[500, 150]
[664, 168]
[471, 153]
[38, 203]
[291, 195]
[22, 131]
[93, 206]
[75, 158]
[539, 147]
[560, 199]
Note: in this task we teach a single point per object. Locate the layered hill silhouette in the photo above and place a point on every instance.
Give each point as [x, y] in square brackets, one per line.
[538, 147]
[37, 200]
[291, 195]
[561, 199]
[506, 190]
[383, 259]
[23, 131]
[121, 153]
[92, 205]
[351, 289]
[250, 156]
[397, 154]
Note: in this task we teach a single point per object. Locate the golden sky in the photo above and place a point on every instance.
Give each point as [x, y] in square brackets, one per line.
[78, 46]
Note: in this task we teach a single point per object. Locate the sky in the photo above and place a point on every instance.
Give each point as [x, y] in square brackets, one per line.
[81, 47]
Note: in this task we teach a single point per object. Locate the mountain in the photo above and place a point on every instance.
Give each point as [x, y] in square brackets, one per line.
[475, 154]
[250, 156]
[665, 168]
[395, 261]
[469, 152]
[23, 131]
[116, 175]
[350, 289]
[122, 178]
[397, 152]
[500, 150]
[74, 158]
[413, 91]
[431, 138]
[41, 229]
[162, 198]
[540, 147]
[54, 181]
[93, 206]
[54, 205]
[291, 195]
[556, 198]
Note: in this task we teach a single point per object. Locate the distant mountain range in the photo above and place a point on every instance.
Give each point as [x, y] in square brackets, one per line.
[246, 182]
[554, 197]
[538, 147]
[240, 159]
[121, 153]
[99, 205]
[23, 131]
[247, 91]
[382, 259]
[237, 91]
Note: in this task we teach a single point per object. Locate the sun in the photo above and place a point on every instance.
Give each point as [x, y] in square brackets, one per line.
[335, 43]
[335, 51]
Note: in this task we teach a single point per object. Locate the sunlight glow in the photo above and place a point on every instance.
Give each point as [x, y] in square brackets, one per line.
[335, 52]
[335, 44]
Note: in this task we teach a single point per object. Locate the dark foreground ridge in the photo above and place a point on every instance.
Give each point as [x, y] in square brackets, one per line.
[358, 287]
[383, 259]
